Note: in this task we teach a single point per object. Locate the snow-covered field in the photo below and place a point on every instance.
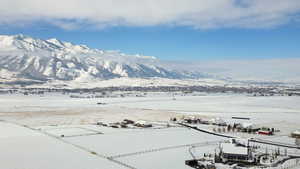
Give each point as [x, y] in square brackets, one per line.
[32, 127]
[22, 148]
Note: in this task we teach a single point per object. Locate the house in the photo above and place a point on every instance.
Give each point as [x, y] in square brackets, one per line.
[231, 152]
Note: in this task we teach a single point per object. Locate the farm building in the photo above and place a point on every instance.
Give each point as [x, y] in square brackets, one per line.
[231, 152]
[143, 124]
[218, 121]
[296, 134]
[247, 127]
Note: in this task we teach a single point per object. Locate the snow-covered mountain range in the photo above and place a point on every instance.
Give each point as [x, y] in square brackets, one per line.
[23, 57]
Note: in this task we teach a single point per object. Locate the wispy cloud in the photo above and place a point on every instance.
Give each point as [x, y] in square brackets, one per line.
[201, 14]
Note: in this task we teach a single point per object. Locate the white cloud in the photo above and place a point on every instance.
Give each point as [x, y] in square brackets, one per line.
[203, 14]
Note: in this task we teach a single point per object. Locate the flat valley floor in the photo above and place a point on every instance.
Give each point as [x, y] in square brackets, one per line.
[31, 128]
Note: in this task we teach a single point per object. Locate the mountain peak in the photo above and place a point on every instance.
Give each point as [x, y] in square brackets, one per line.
[20, 36]
[56, 42]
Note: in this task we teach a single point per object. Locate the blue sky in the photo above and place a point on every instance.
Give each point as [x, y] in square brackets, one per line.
[180, 43]
[167, 29]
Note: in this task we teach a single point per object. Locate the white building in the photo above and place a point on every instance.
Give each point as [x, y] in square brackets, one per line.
[296, 134]
[233, 152]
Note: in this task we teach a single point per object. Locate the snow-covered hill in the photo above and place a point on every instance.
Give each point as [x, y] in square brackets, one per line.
[26, 58]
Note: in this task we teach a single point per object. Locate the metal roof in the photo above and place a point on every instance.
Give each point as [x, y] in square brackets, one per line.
[230, 148]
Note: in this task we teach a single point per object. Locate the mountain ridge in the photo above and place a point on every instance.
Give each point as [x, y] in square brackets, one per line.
[24, 57]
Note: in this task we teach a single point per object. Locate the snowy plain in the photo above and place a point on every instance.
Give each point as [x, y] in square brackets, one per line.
[32, 126]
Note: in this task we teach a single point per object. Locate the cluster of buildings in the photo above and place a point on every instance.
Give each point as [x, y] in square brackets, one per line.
[239, 153]
[252, 128]
[245, 127]
[197, 120]
[126, 123]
